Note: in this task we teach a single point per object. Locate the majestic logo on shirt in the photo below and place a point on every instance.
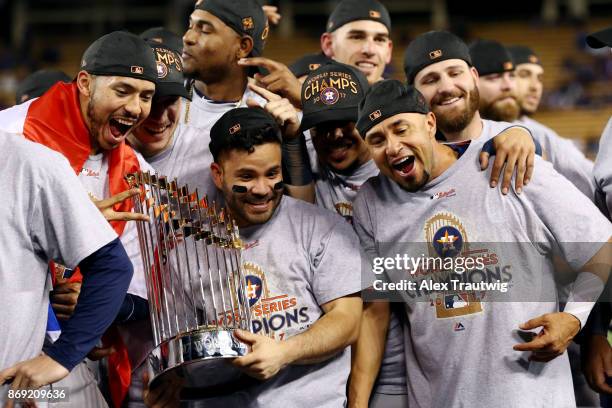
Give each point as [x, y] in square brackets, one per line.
[444, 194]
[447, 238]
[459, 327]
[329, 96]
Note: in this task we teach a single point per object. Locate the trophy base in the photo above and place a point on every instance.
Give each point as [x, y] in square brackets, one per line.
[201, 360]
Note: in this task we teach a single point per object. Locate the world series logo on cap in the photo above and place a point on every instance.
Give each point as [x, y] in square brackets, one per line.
[135, 69]
[375, 115]
[329, 96]
[162, 70]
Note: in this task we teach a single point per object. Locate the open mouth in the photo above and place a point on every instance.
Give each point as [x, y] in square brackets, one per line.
[120, 127]
[404, 166]
[366, 65]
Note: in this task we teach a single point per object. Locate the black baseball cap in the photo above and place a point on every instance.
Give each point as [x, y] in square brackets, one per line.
[308, 63]
[354, 10]
[490, 57]
[120, 53]
[170, 79]
[236, 121]
[37, 83]
[163, 36]
[246, 17]
[432, 47]
[600, 39]
[388, 98]
[523, 55]
[332, 93]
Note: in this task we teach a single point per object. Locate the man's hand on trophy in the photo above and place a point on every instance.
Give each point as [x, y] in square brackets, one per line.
[166, 394]
[106, 207]
[266, 356]
[64, 299]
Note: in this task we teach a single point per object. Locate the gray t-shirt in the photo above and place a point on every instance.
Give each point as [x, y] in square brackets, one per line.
[188, 158]
[302, 258]
[45, 215]
[565, 157]
[459, 350]
[336, 191]
[602, 171]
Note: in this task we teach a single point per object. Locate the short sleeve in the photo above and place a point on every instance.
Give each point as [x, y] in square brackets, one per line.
[337, 261]
[65, 224]
[602, 170]
[573, 223]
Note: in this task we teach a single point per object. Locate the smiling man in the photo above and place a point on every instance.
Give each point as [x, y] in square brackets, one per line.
[358, 34]
[87, 121]
[429, 188]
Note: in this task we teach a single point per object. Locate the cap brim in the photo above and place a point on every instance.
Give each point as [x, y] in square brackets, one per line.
[348, 114]
[600, 39]
[171, 89]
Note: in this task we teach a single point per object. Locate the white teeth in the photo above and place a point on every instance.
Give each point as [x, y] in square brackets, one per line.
[125, 122]
[449, 101]
[365, 64]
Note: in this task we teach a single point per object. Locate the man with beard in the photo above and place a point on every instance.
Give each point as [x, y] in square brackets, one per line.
[497, 85]
[439, 65]
[220, 33]
[297, 250]
[432, 187]
[87, 121]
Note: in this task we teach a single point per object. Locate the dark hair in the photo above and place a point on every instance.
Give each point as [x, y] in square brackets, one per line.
[246, 140]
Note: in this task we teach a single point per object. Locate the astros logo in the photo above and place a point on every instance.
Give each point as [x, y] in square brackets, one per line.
[447, 241]
[255, 283]
[162, 70]
[329, 96]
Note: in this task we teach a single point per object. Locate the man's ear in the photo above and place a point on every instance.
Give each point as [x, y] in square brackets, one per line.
[390, 56]
[474, 73]
[217, 174]
[84, 82]
[326, 45]
[246, 46]
[431, 125]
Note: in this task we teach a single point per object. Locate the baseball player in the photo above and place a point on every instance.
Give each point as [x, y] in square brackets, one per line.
[304, 364]
[498, 101]
[50, 217]
[87, 121]
[439, 65]
[595, 348]
[434, 187]
[212, 45]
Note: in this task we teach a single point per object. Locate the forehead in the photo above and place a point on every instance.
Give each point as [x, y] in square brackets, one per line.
[264, 157]
[367, 26]
[139, 85]
[441, 66]
[532, 68]
[401, 119]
